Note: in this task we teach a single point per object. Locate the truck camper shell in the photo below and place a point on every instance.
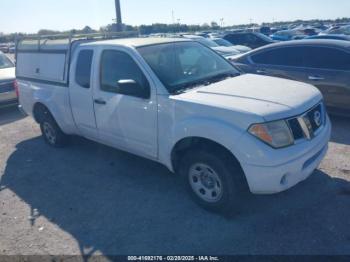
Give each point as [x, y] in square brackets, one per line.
[47, 58]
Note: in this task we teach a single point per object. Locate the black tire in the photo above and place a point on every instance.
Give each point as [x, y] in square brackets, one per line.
[231, 178]
[55, 136]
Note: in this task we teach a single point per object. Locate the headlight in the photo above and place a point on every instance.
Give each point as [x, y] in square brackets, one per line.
[277, 134]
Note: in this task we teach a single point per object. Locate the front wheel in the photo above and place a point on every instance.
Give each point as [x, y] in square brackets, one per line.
[213, 181]
[52, 133]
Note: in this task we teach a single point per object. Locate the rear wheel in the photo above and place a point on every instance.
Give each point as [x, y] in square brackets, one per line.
[52, 133]
[214, 182]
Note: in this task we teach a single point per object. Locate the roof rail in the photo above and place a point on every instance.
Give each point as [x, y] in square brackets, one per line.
[64, 41]
[86, 36]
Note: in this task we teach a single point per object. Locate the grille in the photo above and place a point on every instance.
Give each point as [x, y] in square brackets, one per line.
[307, 124]
[297, 131]
[312, 117]
[6, 87]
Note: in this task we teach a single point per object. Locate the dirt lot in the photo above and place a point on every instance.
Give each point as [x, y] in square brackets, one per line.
[91, 199]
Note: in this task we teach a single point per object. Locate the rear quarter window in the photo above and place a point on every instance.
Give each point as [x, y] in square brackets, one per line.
[83, 69]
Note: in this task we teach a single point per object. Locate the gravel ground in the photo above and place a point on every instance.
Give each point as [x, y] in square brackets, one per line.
[90, 199]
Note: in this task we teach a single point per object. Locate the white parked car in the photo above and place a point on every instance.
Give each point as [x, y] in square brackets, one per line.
[179, 103]
[225, 51]
[338, 30]
[222, 42]
[8, 95]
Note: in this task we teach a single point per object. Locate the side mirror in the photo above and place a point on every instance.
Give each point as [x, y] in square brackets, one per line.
[132, 88]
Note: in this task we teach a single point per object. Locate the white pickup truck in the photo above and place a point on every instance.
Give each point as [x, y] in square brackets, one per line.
[181, 104]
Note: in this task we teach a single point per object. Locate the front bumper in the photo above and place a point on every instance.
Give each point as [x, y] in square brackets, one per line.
[276, 170]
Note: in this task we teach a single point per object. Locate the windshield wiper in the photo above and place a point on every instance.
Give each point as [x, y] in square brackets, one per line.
[221, 77]
[203, 82]
[184, 87]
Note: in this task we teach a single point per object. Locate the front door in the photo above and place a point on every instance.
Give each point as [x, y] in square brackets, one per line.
[280, 62]
[126, 120]
[329, 70]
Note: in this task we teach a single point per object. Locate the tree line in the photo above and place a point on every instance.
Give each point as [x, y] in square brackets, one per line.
[165, 28]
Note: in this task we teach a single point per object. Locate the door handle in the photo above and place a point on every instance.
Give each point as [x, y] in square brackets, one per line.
[316, 78]
[100, 102]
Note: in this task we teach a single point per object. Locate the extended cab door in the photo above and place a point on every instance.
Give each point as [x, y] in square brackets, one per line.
[81, 93]
[125, 103]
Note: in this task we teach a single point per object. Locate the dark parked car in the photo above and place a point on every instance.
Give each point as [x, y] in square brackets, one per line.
[334, 37]
[252, 40]
[322, 63]
[310, 31]
[265, 30]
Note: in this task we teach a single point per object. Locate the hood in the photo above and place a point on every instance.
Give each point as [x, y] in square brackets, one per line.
[7, 74]
[226, 50]
[268, 97]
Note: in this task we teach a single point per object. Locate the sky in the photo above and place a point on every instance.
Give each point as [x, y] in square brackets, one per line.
[31, 15]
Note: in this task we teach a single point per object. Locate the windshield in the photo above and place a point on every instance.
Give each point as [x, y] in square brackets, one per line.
[5, 62]
[182, 65]
[222, 42]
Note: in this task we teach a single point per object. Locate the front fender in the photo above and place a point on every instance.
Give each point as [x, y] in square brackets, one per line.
[215, 130]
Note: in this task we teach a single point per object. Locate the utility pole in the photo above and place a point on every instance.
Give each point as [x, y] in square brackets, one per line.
[119, 21]
[173, 16]
[222, 22]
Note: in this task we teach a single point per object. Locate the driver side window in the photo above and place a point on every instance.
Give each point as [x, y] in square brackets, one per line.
[117, 68]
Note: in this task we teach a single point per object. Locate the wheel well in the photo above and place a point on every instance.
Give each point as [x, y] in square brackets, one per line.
[39, 112]
[199, 143]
